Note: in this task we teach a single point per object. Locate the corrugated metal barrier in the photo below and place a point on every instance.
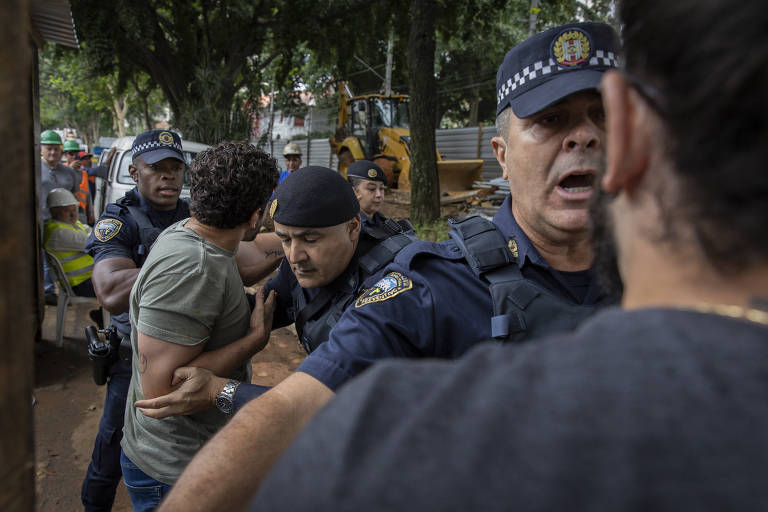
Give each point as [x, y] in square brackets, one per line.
[454, 144]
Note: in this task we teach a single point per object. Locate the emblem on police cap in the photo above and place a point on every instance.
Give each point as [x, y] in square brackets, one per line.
[165, 138]
[571, 48]
[272, 209]
[106, 229]
[372, 173]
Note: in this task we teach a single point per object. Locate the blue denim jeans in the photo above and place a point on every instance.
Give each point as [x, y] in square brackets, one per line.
[146, 493]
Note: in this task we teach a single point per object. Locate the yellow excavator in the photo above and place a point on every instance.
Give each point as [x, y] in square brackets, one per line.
[375, 127]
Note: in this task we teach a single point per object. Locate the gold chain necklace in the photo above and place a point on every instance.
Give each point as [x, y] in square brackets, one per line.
[751, 314]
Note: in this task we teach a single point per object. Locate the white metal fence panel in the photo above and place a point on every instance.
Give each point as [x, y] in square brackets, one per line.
[454, 144]
[319, 152]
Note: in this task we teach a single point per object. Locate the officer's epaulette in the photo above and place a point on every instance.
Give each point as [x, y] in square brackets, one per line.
[447, 250]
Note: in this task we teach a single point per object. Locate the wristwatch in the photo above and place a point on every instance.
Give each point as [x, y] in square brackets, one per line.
[225, 397]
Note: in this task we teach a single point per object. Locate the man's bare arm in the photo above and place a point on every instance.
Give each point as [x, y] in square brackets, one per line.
[158, 358]
[195, 390]
[113, 279]
[256, 259]
[247, 447]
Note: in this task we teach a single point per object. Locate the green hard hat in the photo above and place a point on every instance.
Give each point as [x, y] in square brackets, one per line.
[71, 145]
[50, 137]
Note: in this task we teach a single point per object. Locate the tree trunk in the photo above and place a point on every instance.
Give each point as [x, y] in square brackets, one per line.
[425, 187]
[18, 260]
[119, 111]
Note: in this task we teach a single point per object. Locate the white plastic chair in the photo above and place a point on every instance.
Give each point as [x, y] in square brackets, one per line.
[66, 296]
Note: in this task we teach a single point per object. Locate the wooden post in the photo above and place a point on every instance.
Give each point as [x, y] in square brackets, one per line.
[18, 260]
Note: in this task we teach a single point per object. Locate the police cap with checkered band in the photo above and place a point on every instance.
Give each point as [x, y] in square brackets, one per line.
[556, 63]
[156, 145]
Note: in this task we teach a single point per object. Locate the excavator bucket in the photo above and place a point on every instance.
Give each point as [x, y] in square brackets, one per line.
[458, 175]
[454, 175]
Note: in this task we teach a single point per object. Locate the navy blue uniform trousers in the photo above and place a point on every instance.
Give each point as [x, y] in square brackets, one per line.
[103, 476]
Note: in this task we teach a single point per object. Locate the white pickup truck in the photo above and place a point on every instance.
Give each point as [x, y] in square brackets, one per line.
[119, 180]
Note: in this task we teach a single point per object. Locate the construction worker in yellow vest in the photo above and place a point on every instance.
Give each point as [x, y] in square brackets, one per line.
[64, 236]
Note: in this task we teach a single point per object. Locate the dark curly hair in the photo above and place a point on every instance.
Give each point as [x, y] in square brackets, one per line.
[705, 67]
[229, 182]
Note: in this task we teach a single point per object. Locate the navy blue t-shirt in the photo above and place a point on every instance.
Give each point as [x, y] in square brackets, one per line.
[116, 235]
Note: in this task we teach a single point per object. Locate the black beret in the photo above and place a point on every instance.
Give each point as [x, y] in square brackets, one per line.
[314, 197]
[556, 63]
[367, 170]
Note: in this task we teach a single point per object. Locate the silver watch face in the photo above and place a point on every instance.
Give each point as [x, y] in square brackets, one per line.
[223, 404]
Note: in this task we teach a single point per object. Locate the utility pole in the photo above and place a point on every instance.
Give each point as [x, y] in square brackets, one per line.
[271, 116]
[533, 14]
[388, 80]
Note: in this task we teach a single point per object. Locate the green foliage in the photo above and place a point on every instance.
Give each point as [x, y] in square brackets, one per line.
[69, 96]
[434, 231]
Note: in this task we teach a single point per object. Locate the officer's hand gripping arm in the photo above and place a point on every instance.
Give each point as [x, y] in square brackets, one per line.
[158, 359]
[195, 390]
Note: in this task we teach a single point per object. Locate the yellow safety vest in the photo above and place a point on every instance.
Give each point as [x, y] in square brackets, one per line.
[77, 265]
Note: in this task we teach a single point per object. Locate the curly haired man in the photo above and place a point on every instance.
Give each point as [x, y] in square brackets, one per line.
[188, 307]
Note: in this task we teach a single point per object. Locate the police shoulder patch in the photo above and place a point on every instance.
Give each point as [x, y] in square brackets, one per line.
[106, 229]
[389, 286]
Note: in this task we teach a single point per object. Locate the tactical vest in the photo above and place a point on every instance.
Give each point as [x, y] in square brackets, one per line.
[314, 320]
[77, 265]
[522, 308]
[147, 232]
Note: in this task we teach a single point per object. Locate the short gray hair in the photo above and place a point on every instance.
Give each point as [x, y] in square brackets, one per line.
[502, 123]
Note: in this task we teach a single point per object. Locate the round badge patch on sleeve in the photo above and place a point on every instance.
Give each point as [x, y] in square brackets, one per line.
[389, 286]
[106, 229]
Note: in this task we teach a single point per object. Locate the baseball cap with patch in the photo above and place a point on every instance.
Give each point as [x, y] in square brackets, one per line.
[156, 145]
[556, 63]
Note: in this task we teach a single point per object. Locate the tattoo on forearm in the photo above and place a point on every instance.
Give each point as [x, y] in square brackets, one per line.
[273, 254]
[759, 303]
[143, 364]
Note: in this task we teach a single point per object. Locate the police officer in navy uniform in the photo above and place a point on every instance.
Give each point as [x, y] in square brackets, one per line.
[330, 257]
[320, 277]
[369, 182]
[119, 245]
[525, 275]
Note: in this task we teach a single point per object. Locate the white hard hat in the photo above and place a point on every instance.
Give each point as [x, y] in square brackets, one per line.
[291, 149]
[61, 197]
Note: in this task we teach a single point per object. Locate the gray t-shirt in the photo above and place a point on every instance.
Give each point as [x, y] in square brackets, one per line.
[188, 292]
[60, 176]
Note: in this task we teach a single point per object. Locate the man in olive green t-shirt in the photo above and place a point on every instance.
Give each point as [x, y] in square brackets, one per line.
[188, 308]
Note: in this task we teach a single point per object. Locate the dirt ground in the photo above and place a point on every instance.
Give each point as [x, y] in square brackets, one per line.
[69, 406]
